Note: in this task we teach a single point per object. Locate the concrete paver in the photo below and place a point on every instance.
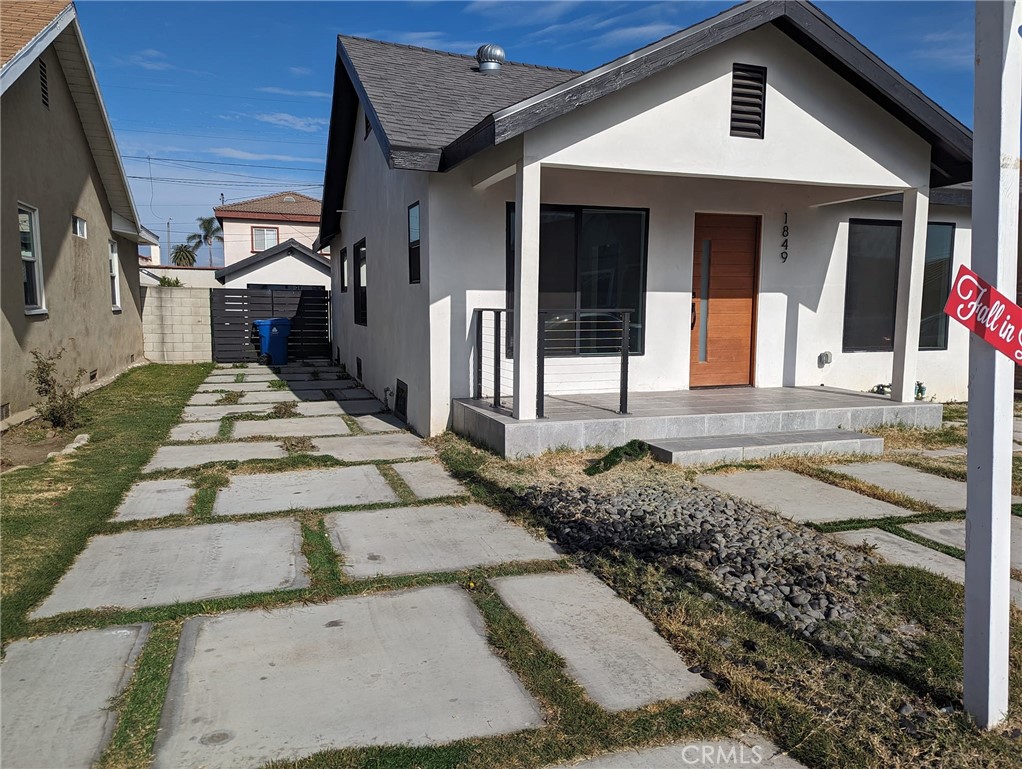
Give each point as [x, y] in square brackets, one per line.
[212, 413]
[608, 646]
[366, 448]
[277, 396]
[925, 487]
[155, 499]
[953, 533]
[380, 423]
[428, 480]
[333, 487]
[194, 431]
[902, 552]
[291, 427]
[351, 393]
[177, 457]
[359, 407]
[205, 399]
[415, 540]
[56, 695]
[235, 387]
[321, 408]
[800, 498]
[746, 751]
[156, 567]
[409, 667]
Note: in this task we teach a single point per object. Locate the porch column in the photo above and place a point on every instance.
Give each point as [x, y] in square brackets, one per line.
[911, 263]
[526, 286]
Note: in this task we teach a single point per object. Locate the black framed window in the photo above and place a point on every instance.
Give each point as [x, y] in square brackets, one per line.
[343, 266]
[590, 259]
[414, 266]
[361, 310]
[871, 289]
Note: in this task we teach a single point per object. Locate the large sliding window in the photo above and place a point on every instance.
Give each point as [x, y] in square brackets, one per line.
[590, 259]
[872, 285]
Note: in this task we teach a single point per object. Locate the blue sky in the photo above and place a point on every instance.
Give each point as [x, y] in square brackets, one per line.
[233, 98]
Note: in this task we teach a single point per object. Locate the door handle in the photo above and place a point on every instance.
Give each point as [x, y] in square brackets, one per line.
[693, 314]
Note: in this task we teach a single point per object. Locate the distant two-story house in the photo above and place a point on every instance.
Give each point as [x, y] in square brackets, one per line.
[268, 242]
[70, 231]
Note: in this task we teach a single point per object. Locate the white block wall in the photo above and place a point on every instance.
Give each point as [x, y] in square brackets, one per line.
[176, 324]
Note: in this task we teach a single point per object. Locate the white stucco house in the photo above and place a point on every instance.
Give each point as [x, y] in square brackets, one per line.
[757, 202]
[286, 265]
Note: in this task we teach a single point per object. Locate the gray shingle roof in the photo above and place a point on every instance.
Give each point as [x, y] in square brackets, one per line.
[427, 99]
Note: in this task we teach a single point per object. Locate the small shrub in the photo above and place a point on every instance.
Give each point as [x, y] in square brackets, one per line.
[61, 405]
[229, 399]
[168, 282]
[239, 365]
[297, 444]
[630, 451]
[278, 384]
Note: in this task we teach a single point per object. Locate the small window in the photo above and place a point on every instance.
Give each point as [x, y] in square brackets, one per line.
[31, 264]
[263, 238]
[414, 266]
[361, 309]
[748, 100]
[343, 259]
[115, 278]
[368, 126]
[79, 227]
[44, 84]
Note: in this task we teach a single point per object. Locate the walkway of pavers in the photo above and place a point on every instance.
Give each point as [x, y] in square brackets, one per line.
[406, 666]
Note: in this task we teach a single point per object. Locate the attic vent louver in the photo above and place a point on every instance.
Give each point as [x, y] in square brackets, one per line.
[44, 84]
[290, 199]
[490, 57]
[748, 100]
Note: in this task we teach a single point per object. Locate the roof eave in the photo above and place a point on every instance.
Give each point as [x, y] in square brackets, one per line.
[17, 64]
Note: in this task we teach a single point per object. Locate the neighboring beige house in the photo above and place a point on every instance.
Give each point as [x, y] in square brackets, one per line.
[252, 226]
[70, 238]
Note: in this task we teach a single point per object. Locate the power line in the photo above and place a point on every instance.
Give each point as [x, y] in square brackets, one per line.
[150, 89]
[263, 139]
[220, 163]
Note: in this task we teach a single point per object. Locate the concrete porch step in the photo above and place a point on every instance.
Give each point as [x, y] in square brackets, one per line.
[749, 446]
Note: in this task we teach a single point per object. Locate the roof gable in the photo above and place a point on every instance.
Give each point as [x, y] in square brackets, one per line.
[62, 33]
[289, 248]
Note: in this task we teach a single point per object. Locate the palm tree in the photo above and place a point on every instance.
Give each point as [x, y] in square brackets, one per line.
[183, 255]
[209, 231]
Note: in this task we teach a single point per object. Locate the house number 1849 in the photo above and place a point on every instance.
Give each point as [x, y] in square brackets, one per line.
[784, 239]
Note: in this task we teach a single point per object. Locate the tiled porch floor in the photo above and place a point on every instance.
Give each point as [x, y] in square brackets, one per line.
[580, 421]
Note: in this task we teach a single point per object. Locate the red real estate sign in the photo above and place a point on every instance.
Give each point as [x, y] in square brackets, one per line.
[986, 312]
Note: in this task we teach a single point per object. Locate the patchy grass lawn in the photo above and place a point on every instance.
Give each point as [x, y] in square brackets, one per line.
[825, 710]
[48, 511]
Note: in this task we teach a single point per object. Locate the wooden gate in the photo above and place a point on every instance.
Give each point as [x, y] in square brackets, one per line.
[233, 310]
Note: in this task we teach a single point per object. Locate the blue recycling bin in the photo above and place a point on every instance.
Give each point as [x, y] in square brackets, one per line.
[273, 334]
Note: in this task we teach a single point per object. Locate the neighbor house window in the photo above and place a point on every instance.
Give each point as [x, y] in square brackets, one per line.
[361, 314]
[590, 259]
[263, 238]
[115, 277]
[31, 264]
[344, 270]
[871, 289]
[414, 266]
[79, 227]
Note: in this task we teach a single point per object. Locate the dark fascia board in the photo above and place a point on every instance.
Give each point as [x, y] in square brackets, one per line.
[806, 24]
[340, 137]
[300, 252]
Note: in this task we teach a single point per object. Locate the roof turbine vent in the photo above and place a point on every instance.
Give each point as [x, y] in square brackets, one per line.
[490, 57]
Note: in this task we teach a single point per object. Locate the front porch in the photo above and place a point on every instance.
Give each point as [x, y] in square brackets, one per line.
[589, 420]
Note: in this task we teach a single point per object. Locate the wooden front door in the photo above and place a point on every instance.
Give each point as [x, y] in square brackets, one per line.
[724, 265]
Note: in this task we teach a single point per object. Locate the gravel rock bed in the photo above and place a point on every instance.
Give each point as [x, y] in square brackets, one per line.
[796, 576]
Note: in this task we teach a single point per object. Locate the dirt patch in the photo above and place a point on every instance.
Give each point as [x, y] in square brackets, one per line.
[30, 443]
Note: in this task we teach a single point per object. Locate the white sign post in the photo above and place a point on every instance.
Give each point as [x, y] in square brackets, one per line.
[996, 149]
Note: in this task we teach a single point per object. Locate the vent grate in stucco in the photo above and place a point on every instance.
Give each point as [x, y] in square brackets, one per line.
[44, 84]
[748, 100]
